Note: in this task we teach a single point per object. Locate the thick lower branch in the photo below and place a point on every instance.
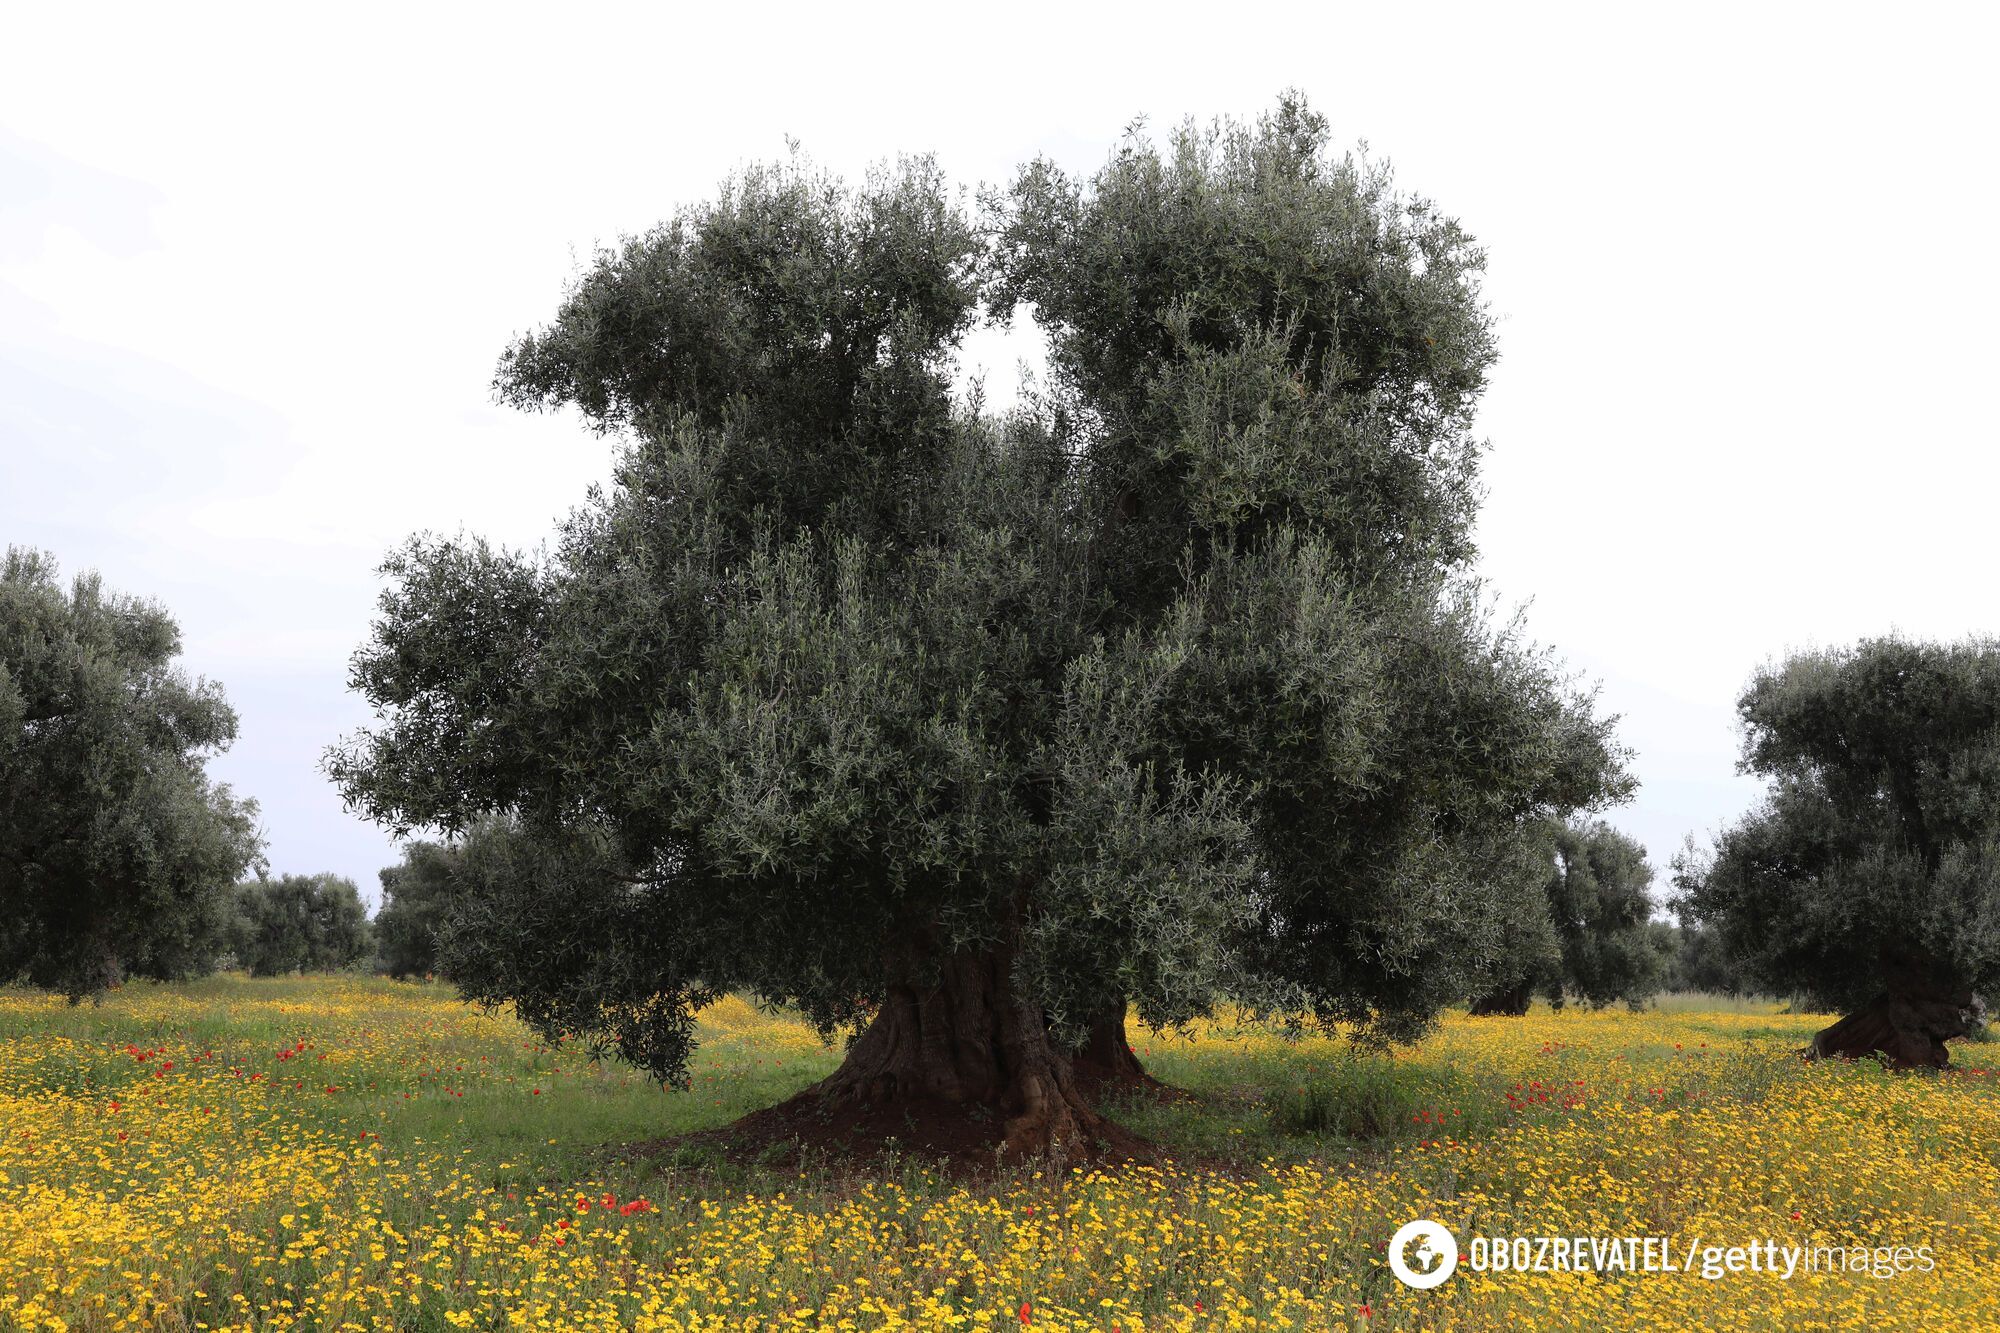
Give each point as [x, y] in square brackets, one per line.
[1105, 1061]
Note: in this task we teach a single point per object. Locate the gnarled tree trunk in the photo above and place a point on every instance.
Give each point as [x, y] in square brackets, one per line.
[1105, 1061]
[959, 1065]
[1503, 1004]
[1908, 1026]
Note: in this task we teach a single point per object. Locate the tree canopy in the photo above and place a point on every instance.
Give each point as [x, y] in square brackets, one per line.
[415, 896]
[1169, 686]
[1868, 881]
[1586, 928]
[117, 853]
[300, 923]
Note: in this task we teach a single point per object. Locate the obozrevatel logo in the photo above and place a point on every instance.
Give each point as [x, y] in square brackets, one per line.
[1434, 1249]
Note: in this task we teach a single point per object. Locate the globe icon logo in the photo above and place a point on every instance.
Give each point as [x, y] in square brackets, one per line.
[1422, 1254]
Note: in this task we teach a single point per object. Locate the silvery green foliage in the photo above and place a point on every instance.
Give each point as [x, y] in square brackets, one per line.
[1248, 331]
[300, 923]
[117, 854]
[415, 892]
[1167, 687]
[1265, 363]
[1585, 931]
[1873, 864]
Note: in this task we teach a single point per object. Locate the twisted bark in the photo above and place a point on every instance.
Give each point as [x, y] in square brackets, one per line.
[967, 1053]
[1909, 1031]
[959, 1064]
[1105, 1061]
[1909, 1023]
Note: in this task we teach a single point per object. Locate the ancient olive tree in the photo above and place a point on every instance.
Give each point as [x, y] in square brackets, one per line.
[1869, 879]
[955, 730]
[117, 854]
[1586, 933]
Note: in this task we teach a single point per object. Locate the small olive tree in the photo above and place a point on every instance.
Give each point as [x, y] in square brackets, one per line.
[300, 923]
[1584, 928]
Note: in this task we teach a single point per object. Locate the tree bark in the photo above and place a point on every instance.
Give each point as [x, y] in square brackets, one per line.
[1105, 1062]
[1503, 1004]
[1921, 1007]
[1906, 1027]
[959, 1065]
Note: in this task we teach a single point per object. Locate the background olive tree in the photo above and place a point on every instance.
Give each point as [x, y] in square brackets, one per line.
[117, 853]
[415, 894]
[300, 923]
[1868, 881]
[1586, 929]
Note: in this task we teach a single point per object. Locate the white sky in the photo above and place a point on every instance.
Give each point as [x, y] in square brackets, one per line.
[256, 269]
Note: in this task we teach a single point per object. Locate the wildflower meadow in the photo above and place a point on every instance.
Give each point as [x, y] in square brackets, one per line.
[338, 1153]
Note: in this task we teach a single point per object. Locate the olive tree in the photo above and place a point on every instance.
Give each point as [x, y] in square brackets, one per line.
[1585, 931]
[117, 853]
[300, 923]
[1698, 961]
[415, 894]
[955, 731]
[1868, 880]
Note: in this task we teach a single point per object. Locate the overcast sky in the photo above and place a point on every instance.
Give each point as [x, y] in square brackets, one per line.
[256, 268]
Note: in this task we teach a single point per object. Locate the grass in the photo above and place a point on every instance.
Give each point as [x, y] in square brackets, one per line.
[355, 1153]
[1712, 1002]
